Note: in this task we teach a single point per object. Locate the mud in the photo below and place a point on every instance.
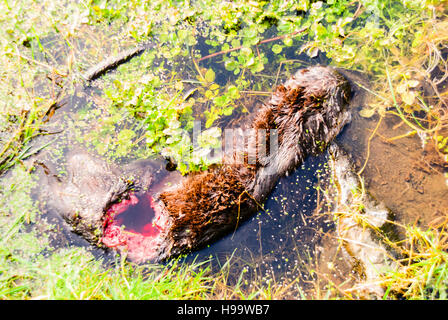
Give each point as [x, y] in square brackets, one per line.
[406, 174]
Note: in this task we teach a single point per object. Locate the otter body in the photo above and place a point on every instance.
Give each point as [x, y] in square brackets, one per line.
[303, 115]
[307, 112]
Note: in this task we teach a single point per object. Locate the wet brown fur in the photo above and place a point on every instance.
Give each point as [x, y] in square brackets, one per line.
[308, 111]
[206, 208]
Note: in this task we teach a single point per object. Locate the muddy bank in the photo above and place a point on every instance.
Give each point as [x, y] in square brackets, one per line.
[406, 174]
[362, 223]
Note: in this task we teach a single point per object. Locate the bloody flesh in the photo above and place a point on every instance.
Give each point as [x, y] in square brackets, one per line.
[130, 222]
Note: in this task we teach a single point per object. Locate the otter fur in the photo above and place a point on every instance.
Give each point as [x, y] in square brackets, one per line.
[302, 117]
[307, 112]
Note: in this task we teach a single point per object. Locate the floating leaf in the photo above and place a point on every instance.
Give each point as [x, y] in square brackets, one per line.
[408, 97]
[210, 75]
[231, 65]
[251, 61]
[288, 41]
[233, 92]
[313, 52]
[402, 88]
[214, 86]
[227, 111]
[208, 94]
[277, 48]
[367, 113]
[413, 83]
[246, 51]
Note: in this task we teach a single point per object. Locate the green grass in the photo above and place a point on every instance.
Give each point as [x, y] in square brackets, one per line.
[423, 271]
[75, 274]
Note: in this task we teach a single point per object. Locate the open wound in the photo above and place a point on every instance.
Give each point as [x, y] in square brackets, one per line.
[131, 222]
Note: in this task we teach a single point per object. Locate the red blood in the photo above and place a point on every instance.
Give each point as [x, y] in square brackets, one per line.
[150, 230]
[113, 236]
[139, 237]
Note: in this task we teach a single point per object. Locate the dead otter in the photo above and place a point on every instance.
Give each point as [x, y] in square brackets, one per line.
[307, 112]
[302, 116]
